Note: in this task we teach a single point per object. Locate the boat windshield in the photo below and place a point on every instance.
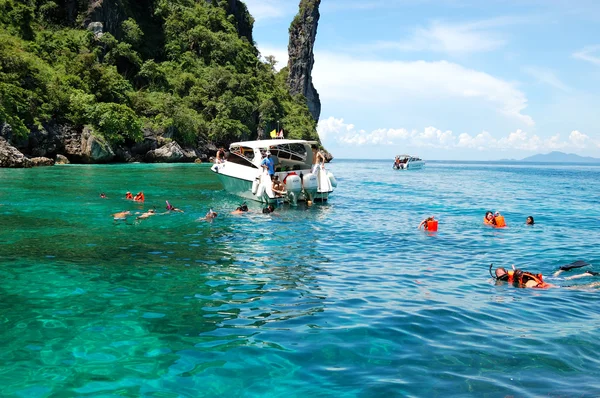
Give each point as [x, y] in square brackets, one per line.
[242, 155]
[295, 156]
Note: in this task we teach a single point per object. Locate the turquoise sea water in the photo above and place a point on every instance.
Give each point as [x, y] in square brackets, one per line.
[344, 299]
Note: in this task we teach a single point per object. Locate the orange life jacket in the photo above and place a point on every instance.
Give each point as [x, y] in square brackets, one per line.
[500, 223]
[128, 195]
[432, 225]
[139, 197]
[488, 222]
[520, 278]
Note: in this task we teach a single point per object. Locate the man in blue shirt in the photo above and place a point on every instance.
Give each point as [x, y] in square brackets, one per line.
[268, 163]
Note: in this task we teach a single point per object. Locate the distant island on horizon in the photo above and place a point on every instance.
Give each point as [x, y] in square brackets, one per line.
[560, 157]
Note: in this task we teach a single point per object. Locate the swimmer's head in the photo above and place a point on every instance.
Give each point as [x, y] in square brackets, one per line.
[530, 220]
[489, 215]
[268, 209]
[501, 273]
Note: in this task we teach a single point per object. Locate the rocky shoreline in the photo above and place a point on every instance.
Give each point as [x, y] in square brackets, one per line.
[60, 144]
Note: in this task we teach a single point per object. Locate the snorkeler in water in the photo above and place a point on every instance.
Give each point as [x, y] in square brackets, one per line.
[147, 214]
[268, 210]
[520, 278]
[241, 209]
[170, 208]
[121, 216]
[211, 215]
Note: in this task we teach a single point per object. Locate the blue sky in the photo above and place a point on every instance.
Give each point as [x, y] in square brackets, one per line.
[450, 79]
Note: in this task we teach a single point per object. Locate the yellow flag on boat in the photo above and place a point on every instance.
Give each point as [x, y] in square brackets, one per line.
[273, 133]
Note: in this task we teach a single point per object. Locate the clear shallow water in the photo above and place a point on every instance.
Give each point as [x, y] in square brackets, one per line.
[344, 299]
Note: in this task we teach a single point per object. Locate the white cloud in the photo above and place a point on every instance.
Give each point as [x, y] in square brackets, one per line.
[589, 54]
[546, 76]
[452, 39]
[339, 77]
[280, 54]
[336, 133]
[455, 38]
[578, 139]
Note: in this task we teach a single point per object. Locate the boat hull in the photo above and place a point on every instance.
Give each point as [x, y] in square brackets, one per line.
[241, 183]
[411, 166]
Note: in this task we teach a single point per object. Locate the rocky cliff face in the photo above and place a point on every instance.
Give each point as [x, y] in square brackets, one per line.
[303, 32]
[242, 17]
[108, 12]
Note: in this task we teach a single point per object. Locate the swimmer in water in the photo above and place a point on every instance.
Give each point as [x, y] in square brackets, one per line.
[529, 221]
[139, 197]
[211, 215]
[121, 216]
[424, 223]
[170, 208]
[129, 196]
[102, 195]
[147, 214]
[243, 208]
[268, 210]
[526, 279]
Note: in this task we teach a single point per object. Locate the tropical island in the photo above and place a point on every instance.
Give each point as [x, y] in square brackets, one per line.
[99, 81]
[560, 157]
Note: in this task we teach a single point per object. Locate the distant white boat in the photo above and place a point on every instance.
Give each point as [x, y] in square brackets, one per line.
[407, 162]
[242, 175]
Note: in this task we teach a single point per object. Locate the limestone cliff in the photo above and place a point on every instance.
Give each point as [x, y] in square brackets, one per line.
[243, 19]
[303, 32]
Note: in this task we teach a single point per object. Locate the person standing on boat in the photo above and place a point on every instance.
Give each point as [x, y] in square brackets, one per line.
[220, 155]
[268, 164]
[318, 158]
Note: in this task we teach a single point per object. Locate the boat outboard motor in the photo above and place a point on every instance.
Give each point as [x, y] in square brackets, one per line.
[310, 185]
[293, 187]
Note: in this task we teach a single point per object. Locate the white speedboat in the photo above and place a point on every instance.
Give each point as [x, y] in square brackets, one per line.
[241, 173]
[407, 162]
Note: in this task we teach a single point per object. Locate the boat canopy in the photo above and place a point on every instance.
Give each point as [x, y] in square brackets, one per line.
[265, 144]
[287, 155]
[408, 157]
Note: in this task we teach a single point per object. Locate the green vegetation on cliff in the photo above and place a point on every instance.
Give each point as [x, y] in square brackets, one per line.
[183, 67]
